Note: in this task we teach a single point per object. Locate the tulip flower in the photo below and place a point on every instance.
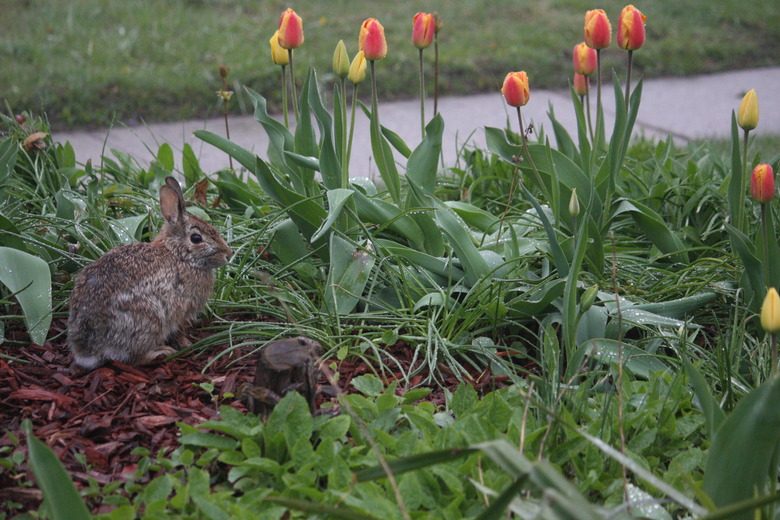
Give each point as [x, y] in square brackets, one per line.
[631, 36]
[341, 60]
[770, 311]
[598, 30]
[357, 70]
[574, 204]
[291, 37]
[770, 321]
[598, 35]
[584, 59]
[762, 183]
[515, 89]
[372, 40]
[279, 55]
[290, 30]
[423, 28]
[747, 117]
[581, 84]
[631, 28]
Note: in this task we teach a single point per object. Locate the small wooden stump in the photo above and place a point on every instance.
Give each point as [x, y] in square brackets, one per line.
[284, 366]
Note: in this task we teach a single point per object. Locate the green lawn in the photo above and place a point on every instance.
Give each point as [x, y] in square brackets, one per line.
[83, 61]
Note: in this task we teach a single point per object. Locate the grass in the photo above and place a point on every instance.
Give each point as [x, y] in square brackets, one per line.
[86, 62]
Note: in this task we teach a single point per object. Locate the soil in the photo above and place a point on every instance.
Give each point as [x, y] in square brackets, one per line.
[93, 421]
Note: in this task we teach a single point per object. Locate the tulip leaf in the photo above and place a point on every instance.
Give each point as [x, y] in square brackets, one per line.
[64, 502]
[737, 182]
[752, 281]
[29, 278]
[385, 162]
[190, 166]
[656, 229]
[424, 161]
[433, 264]
[336, 200]
[395, 140]
[350, 267]
[745, 448]
[372, 210]
[473, 216]
[561, 263]
[606, 351]
[474, 265]
[329, 162]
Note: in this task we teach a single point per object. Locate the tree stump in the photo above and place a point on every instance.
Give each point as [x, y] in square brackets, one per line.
[284, 366]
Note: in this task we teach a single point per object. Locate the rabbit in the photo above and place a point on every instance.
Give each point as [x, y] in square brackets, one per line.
[133, 304]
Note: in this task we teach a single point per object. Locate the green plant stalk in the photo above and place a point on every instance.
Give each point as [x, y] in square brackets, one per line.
[284, 97]
[435, 73]
[225, 102]
[587, 108]
[351, 130]
[524, 141]
[628, 76]
[343, 143]
[765, 233]
[422, 98]
[743, 184]
[599, 113]
[773, 342]
[292, 83]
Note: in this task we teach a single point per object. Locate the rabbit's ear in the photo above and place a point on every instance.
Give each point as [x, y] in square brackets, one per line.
[172, 201]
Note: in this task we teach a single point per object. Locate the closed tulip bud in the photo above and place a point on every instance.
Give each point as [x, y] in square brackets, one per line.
[515, 89]
[581, 84]
[598, 31]
[588, 298]
[372, 40]
[770, 311]
[279, 55]
[631, 28]
[438, 24]
[290, 30]
[762, 183]
[357, 70]
[747, 117]
[584, 59]
[574, 204]
[423, 27]
[341, 60]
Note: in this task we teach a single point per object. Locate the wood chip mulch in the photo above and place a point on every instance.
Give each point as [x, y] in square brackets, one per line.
[103, 415]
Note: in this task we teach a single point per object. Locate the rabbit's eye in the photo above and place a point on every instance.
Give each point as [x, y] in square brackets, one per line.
[195, 238]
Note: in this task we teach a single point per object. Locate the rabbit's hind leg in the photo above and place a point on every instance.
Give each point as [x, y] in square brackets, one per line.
[162, 351]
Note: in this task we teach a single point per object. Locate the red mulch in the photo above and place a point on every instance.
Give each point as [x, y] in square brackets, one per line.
[105, 414]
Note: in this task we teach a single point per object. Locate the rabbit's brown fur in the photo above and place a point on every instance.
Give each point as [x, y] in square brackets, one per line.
[134, 303]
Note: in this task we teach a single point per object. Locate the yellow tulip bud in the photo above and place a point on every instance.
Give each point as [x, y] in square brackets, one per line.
[357, 70]
[574, 204]
[279, 55]
[770, 311]
[341, 60]
[747, 117]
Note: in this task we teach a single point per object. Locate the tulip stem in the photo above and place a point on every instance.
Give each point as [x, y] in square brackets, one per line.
[225, 113]
[422, 97]
[765, 231]
[344, 165]
[524, 141]
[435, 73]
[773, 341]
[743, 184]
[351, 129]
[628, 77]
[284, 97]
[292, 82]
[599, 112]
[587, 108]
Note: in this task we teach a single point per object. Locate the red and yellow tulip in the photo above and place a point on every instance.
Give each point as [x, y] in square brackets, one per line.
[631, 28]
[598, 30]
[762, 183]
[423, 28]
[515, 89]
[290, 30]
[372, 40]
[584, 59]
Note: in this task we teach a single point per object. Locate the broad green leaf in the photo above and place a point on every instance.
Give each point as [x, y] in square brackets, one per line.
[385, 161]
[752, 281]
[329, 163]
[561, 263]
[474, 266]
[29, 278]
[208, 440]
[737, 191]
[165, 156]
[535, 300]
[337, 198]
[713, 413]
[9, 234]
[424, 161]
[436, 265]
[190, 166]
[656, 230]
[126, 229]
[680, 307]
[745, 448]
[606, 351]
[55, 483]
[368, 384]
[348, 275]
[235, 192]
[372, 210]
[473, 216]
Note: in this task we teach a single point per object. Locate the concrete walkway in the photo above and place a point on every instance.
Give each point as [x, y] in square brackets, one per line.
[688, 108]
